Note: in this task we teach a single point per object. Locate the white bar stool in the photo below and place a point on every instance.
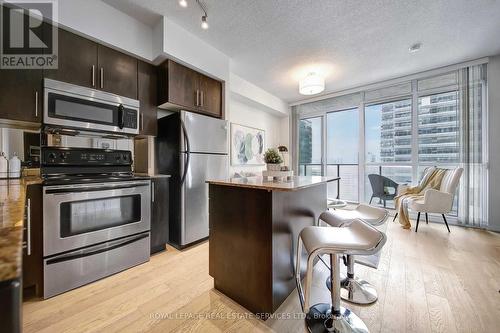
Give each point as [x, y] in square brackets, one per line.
[357, 238]
[353, 289]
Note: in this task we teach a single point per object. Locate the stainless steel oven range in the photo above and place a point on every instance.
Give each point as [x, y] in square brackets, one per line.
[96, 216]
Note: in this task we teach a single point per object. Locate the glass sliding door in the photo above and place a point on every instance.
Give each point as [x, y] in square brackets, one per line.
[310, 146]
[388, 149]
[342, 135]
[438, 129]
[439, 133]
[389, 135]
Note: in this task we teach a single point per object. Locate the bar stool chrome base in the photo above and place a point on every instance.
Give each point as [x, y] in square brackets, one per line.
[320, 319]
[356, 291]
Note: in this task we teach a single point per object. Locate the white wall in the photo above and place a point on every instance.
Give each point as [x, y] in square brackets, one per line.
[179, 44]
[258, 97]
[99, 21]
[243, 113]
[494, 139]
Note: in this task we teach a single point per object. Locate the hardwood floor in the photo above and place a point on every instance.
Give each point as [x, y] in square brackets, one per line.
[429, 281]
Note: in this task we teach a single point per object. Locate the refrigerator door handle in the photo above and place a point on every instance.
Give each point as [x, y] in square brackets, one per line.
[188, 152]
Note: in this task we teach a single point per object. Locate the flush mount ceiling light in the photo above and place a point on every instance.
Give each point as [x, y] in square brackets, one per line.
[183, 3]
[415, 47]
[312, 84]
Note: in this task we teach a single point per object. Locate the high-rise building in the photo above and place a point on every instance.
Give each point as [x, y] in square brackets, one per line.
[438, 131]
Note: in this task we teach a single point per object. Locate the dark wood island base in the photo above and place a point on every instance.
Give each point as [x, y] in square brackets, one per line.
[254, 227]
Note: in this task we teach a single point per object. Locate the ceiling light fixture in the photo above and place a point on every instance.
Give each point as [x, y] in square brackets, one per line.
[415, 47]
[183, 3]
[204, 17]
[312, 84]
[204, 23]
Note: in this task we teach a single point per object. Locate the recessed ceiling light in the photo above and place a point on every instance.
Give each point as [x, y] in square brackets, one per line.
[415, 47]
[183, 3]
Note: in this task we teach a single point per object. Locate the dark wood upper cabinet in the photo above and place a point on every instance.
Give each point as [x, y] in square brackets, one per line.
[183, 88]
[210, 95]
[117, 72]
[21, 94]
[147, 80]
[77, 60]
[181, 85]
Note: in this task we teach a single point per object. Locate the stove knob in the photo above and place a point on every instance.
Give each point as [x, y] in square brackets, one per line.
[52, 156]
[125, 157]
[117, 157]
[62, 156]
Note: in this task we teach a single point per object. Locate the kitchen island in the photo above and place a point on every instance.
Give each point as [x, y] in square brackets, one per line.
[254, 226]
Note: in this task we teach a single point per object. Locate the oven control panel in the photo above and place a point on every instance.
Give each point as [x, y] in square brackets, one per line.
[85, 156]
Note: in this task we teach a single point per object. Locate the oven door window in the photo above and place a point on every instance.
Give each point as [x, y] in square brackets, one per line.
[71, 108]
[79, 217]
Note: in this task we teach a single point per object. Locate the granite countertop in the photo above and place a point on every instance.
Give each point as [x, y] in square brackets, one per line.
[12, 201]
[293, 184]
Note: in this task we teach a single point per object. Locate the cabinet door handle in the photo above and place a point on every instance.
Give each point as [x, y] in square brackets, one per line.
[102, 78]
[142, 121]
[36, 103]
[197, 98]
[93, 75]
[152, 192]
[28, 222]
[201, 94]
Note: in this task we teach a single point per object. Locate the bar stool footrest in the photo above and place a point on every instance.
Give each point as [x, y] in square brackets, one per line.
[356, 291]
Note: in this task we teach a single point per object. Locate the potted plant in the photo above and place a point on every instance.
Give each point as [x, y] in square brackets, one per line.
[273, 160]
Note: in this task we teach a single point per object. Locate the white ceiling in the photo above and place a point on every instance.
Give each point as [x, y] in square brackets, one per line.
[272, 43]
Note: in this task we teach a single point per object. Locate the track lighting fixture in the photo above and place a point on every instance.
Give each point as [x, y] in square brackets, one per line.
[204, 17]
[204, 23]
[183, 3]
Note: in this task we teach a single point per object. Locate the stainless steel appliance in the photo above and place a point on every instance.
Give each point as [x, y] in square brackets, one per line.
[69, 106]
[96, 216]
[192, 148]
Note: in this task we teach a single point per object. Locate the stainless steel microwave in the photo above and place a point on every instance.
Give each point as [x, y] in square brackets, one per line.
[69, 106]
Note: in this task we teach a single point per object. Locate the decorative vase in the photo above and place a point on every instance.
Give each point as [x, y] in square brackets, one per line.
[273, 166]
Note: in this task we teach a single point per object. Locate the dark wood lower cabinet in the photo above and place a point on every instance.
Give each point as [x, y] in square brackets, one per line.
[253, 240]
[10, 306]
[159, 213]
[33, 242]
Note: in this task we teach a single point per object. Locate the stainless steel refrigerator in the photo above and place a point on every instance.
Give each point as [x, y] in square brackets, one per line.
[191, 148]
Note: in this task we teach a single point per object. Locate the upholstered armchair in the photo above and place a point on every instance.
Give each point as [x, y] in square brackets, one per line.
[437, 201]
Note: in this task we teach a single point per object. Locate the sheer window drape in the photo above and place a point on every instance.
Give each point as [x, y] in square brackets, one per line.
[474, 186]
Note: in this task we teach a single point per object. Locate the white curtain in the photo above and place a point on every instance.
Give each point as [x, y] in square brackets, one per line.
[474, 186]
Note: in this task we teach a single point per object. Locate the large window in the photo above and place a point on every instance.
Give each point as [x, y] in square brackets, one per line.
[403, 129]
[438, 128]
[342, 130]
[388, 132]
[388, 141]
[310, 146]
